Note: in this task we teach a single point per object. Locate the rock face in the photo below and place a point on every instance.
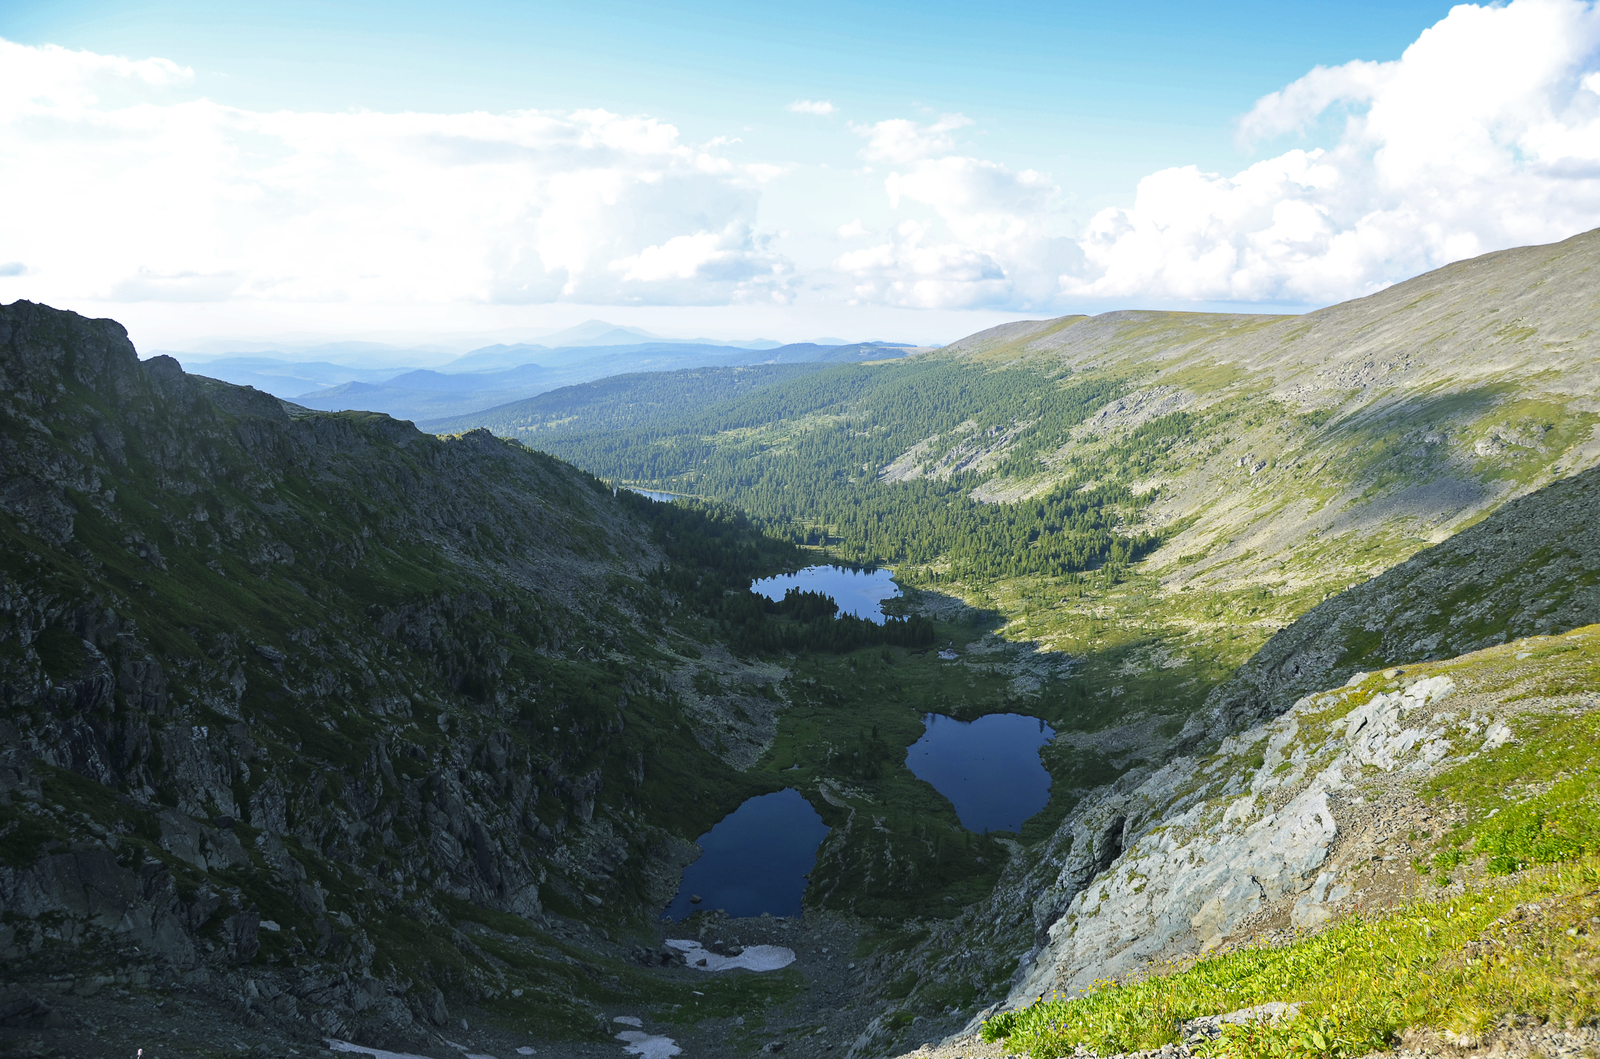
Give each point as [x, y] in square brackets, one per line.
[279, 687]
[1218, 841]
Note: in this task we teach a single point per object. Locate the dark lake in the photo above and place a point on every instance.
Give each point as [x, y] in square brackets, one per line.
[755, 860]
[857, 592]
[988, 768]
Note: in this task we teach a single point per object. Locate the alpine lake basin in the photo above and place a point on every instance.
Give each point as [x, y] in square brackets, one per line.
[758, 858]
[858, 592]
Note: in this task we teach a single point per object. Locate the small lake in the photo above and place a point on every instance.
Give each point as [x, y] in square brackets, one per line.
[988, 768]
[756, 859]
[857, 592]
[653, 494]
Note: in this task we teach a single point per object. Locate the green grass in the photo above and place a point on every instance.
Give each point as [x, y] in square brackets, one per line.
[1535, 800]
[1458, 964]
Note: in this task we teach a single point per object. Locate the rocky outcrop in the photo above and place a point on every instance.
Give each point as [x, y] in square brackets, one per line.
[1215, 843]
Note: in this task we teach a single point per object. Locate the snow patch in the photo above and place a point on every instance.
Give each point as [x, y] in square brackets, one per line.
[361, 1049]
[753, 958]
[648, 1045]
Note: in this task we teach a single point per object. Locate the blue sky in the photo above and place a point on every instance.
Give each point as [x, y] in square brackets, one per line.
[355, 167]
[1099, 94]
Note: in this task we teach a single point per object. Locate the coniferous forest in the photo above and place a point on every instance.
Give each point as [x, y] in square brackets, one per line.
[804, 459]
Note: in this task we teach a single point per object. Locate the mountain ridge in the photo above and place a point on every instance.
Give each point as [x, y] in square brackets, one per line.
[315, 687]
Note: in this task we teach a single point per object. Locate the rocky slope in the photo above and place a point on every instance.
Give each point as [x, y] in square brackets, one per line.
[1358, 799]
[1293, 797]
[1276, 813]
[292, 699]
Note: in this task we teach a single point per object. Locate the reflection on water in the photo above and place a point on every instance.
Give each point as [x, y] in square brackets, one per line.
[652, 493]
[858, 592]
[988, 768]
[756, 859]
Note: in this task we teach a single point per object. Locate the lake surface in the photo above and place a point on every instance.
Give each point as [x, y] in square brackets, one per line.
[988, 768]
[857, 592]
[653, 494]
[756, 859]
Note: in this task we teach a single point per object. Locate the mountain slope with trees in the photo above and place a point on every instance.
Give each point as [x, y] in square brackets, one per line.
[290, 698]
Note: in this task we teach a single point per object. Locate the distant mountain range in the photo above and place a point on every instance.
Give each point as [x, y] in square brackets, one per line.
[600, 333]
[500, 374]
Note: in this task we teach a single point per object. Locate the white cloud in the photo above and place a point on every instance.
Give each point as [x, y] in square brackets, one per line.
[900, 140]
[987, 241]
[130, 185]
[72, 81]
[820, 107]
[1475, 139]
[134, 194]
[729, 258]
[1304, 101]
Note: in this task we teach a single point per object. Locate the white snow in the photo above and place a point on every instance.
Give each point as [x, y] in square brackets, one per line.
[647, 1045]
[361, 1049]
[753, 958]
[380, 1053]
[629, 1020]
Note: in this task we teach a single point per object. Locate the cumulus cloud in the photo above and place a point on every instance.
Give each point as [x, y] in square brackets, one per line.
[1306, 100]
[1484, 134]
[900, 140]
[985, 241]
[819, 107]
[1479, 137]
[982, 237]
[135, 193]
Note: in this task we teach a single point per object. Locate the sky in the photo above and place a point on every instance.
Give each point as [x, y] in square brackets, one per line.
[897, 171]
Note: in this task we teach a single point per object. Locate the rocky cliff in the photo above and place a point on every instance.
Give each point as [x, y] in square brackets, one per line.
[291, 698]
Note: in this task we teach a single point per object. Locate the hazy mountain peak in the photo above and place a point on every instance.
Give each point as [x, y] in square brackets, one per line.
[600, 333]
